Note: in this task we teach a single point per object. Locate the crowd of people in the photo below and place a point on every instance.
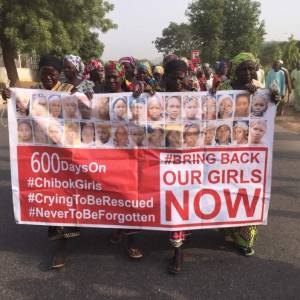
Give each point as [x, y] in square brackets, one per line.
[176, 74]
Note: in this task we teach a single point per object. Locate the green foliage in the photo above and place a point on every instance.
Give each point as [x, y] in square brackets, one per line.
[220, 28]
[54, 26]
[291, 53]
[288, 51]
[206, 19]
[226, 27]
[243, 30]
[177, 39]
[269, 52]
[91, 47]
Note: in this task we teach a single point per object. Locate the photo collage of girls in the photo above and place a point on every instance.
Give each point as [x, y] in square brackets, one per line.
[162, 120]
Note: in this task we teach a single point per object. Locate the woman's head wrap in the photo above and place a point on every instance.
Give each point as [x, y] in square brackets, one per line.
[115, 66]
[220, 65]
[159, 69]
[237, 60]
[145, 66]
[176, 66]
[169, 58]
[77, 62]
[128, 59]
[133, 101]
[51, 61]
[93, 64]
[123, 99]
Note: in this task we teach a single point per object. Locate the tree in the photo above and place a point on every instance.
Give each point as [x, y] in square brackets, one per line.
[206, 18]
[50, 26]
[269, 52]
[243, 31]
[291, 53]
[226, 27]
[91, 47]
[177, 39]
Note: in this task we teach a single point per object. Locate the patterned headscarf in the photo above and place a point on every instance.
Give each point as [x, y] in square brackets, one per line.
[128, 59]
[144, 65]
[237, 60]
[77, 62]
[159, 70]
[93, 64]
[115, 66]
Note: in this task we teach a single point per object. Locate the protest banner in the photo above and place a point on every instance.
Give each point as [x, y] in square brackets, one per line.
[165, 162]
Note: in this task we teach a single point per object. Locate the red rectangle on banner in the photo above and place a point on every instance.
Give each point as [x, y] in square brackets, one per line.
[130, 188]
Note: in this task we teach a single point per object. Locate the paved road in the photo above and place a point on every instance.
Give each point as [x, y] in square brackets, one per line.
[97, 270]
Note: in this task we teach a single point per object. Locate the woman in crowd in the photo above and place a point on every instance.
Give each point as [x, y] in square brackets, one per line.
[144, 77]
[243, 76]
[50, 68]
[73, 70]
[158, 73]
[114, 78]
[220, 75]
[94, 71]
[175, 81]
[129, 66]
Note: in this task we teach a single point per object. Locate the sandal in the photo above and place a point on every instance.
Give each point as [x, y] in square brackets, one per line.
[116, 237]
[58, 262]
[134, 253]
[59, 257]
[246, 251]
[70, 232]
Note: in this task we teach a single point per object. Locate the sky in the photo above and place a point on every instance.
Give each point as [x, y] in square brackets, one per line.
[140, 22]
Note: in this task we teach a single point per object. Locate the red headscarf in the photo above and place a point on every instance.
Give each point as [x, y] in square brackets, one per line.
[115, 66]
[93, 64]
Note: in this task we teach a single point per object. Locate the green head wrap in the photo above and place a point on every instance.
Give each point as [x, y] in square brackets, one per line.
[237, 60]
